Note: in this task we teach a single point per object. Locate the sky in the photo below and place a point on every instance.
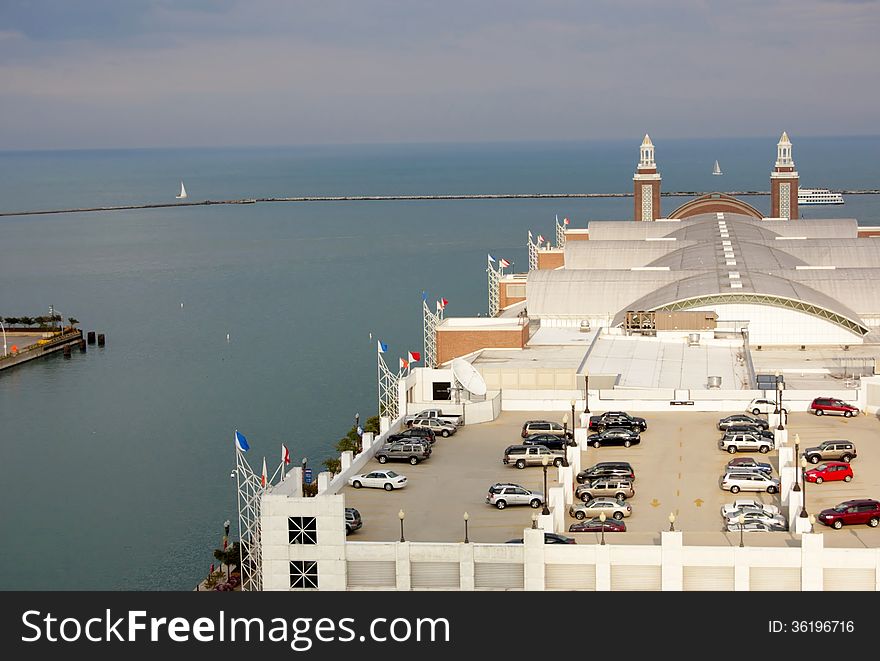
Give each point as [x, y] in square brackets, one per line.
[160, 73]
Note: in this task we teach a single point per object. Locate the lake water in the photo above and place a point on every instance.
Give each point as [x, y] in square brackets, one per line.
[116, 463]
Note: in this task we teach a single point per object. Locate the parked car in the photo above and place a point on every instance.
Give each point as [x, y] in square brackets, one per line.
[749, 429]
[614, 436]
[614, 509]
[745, 442]
[830, 471]
[596, 525]
[549, 538]
[503, 494]
[755, 515]
[747, 463]
[741, 504]
[617, 419]
[353, 520]
[435, 425]
[742, 419]
[418, 432]
[410, 451]
[758, 526]
[736, 481]
[620, 469]
[551, 441]
[832, 406]
[836, 450]
[437, 414]
[605, 487]
[759, 405]
[413, 440]
[851, 512]
[544, 427]
[381, 479]
[531, 455]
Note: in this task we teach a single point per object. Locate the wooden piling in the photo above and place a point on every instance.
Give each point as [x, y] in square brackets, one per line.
[91, 337]
[67, 351]
[82, 346]
[100, 339]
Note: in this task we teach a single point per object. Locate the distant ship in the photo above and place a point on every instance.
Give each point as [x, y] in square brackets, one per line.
[807, 196]
[717, 169]
[182, 195]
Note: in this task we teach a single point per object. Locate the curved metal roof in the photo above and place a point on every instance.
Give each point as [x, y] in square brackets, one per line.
[757, 288]
[618, 254]
[749, 256]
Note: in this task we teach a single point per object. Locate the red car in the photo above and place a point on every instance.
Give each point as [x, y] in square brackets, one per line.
[595, 525]
[851, 512]
[832, 406]
[830, 471]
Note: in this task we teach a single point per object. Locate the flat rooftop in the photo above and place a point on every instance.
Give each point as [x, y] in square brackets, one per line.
[551, 356]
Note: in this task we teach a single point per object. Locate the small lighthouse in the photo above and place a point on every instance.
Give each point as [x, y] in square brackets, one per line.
[646, 183]
[784, 182]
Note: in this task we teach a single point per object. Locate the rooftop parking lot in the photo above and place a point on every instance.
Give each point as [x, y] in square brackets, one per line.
[678, 467]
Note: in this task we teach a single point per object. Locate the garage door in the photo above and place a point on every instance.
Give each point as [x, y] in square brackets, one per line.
[708, 578]
[371, 574]
[847, 579]
[635, 577]
[775, 578]
[570, 577]
[435, 575]
[495, 575]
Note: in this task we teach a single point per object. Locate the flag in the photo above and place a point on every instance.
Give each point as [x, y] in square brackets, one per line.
[504, 263]
[360, 431]
[443, 303]
[540, 239]
[439, 307]
[414, 356]
[263, 478]
[557, 219]
[285, 454]
[403, 364]
[530, 236]
[566, 221]
[241, 442]
[424, 295]
[382, 346]
[491, 259]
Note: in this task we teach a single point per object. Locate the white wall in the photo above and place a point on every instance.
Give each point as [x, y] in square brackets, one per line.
[773, 325]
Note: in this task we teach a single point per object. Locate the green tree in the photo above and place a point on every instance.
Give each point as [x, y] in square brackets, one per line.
[231, 556]
[73, 321]
[13, 321]
[26, 321]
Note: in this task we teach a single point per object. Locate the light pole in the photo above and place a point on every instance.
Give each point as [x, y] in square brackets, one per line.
[803, 513]
[602, 518]
[466, 517]
[401, 515]
[776, 395]
[565, 427]
[779, 385]
[672, 522]
[544, 463]
[812, 522]
[797, 451]
[573, 424]
[3, 328]
[586, 392]
[534, 521]
[741, 519]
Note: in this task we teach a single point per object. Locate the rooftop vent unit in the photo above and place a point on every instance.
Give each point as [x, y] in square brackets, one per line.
[714, 382]
[693, 339]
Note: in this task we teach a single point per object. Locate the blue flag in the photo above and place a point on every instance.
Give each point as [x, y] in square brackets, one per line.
[241, 442]
[382, 346]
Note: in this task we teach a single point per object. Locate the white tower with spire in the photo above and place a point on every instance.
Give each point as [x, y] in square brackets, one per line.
[646, 184]
[784, 182]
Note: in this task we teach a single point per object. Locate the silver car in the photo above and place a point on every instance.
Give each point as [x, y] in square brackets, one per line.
[503, 494]
[757, 526]
[755, 515]
[734, 482]
[611, 508]
[748, 504]
[439, 427]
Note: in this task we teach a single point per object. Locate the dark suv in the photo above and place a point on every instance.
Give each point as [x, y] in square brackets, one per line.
[832, 406]
[418, 432]
[412, 451]
[552, 441]
[352, 520]
[851, 512]
[621, 469]
[617, 419]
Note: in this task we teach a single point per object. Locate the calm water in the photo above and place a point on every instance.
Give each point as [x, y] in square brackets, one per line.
[117, 462]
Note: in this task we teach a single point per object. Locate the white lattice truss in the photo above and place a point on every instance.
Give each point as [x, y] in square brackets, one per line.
[560, 235]
[388, 403]
[250, 492]
[533, 253]
[494, 300]
[430, 321]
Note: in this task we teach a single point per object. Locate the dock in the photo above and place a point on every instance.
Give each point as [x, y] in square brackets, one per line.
[394, 198]
[35, 350]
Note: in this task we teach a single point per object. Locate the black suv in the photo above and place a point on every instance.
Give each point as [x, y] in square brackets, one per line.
[621, 469]
[403, 438]
[617, 419]
[749, 429]
[551, 441]
[423, 432]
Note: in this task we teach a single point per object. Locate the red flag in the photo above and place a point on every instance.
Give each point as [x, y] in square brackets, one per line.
[540, 239]
[263, 478]
[565, 221]
[414, 356]
[444, 303]
[403, 364]
[285, 454]
[504, 263]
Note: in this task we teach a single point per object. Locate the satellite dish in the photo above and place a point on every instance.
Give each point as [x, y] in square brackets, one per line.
[468, 376]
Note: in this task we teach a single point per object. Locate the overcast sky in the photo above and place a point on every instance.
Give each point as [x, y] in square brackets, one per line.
[116, 73]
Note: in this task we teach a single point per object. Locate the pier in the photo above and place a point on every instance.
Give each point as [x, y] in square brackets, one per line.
[61, 342]
[394, 198]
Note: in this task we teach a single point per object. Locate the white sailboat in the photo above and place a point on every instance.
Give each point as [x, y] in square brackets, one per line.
[182, 195]
[717, 169]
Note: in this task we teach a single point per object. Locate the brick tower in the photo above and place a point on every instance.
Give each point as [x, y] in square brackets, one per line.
[784, 183]
[646, 184]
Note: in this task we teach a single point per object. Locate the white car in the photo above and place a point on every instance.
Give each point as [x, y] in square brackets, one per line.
[747, 504]
[382, 479]
[759, 405]
[755, 515]
[734, 482]
[595, 507]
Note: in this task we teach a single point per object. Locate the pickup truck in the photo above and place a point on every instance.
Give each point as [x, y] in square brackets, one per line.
[427, 414]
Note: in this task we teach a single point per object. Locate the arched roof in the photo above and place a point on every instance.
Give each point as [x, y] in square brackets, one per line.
[749, 256]
[757, 288]
[715, 203]
[702, 231]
